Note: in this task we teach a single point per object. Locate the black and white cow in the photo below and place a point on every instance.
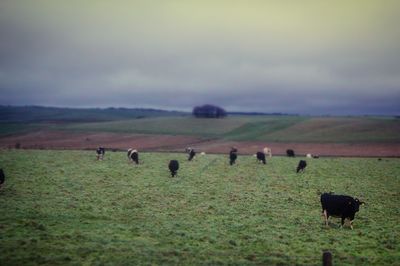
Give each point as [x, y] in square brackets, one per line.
[261, 157]
[341, 206]
[301, 166]
[133, 156]
[290, 153]
[191, 153]
[2, 178]
[232, 156]
[100, 153]
[173, 167]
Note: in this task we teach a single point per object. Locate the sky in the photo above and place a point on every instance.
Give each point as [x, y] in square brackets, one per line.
[306, 57]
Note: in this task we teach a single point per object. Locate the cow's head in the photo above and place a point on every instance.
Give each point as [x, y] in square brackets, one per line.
[357, 204]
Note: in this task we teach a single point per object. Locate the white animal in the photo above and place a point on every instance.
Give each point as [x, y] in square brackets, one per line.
[267, 151]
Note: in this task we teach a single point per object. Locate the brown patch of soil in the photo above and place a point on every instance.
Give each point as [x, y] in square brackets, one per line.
[80, 141]
[84, 141]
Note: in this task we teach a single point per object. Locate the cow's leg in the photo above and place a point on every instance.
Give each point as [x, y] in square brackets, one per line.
[326, 217]
[351, 224]
[342, 223]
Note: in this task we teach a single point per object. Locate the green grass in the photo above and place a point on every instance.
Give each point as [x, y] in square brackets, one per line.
[65, 208]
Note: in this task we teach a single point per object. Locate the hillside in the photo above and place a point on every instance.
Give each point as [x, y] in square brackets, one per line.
[39, 127]
[258, 128]
[34, 114]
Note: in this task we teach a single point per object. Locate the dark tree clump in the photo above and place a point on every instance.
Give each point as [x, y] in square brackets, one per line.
[209, 111]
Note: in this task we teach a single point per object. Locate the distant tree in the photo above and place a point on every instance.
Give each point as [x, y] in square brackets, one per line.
[208, 111]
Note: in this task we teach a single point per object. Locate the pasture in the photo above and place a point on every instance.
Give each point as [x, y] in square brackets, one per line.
[65, 208]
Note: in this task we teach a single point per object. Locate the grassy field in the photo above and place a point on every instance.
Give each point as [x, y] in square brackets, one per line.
[65, 208]
[262, 128]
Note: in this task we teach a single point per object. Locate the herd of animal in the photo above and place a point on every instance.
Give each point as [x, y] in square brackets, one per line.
[341, 206]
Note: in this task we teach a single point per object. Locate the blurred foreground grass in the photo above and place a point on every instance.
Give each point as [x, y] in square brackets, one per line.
[63, 207]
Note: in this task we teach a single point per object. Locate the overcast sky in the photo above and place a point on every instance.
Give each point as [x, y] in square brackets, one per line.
[308, 57]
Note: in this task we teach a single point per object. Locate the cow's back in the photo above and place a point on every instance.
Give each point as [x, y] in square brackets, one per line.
[336, 205]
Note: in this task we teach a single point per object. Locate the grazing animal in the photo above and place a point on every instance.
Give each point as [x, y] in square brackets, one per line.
[301, 166]
[2, 178]
[261, 157]
[100, 153]
[232, 156]
[173, 167]
[202, 153]
[191, 153]
[268, 151]
[309, 155]
[340, 206]
[133, 156]
[290, 153]
[315, 156]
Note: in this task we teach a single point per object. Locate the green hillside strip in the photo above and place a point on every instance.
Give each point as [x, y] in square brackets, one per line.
[66, 208]
[344, 130]
[164, 125]
[257, 130]
[239, 128]
[31, 114]
[18, 128]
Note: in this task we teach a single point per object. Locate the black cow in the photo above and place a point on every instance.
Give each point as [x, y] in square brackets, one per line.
[2, 178]
[191, 153]
[232, 156]
[261, 157]
[302, 165]
[290, 153]
[100, 153]
[133, 155]
[339, 206]
[173, 167]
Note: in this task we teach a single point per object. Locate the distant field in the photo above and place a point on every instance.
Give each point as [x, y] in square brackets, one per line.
[240, 128]
[65, 208]
[260, 128]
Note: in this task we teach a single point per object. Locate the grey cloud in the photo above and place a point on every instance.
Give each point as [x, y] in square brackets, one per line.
[161, 62]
